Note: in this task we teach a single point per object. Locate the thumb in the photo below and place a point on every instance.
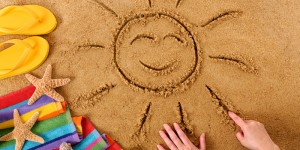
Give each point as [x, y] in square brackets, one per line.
[240, 137]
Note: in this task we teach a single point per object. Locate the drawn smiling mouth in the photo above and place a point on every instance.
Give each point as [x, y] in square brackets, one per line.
[160, 69]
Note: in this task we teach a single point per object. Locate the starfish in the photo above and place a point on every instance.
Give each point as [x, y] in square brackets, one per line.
[46, 86]
[22, 131]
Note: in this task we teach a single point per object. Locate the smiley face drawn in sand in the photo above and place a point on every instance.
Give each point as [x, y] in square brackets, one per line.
[153, 59]
[166, 60]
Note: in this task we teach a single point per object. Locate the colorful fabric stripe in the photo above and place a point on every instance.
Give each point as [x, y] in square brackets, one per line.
[8, 114]
[98, 142]
[53, 130]
[69, 138]
[113, 145]
[43, 110]
[90, 141]
[16, 97]
[55, 113]
[15, 106]
[91, 137]
[77, 122]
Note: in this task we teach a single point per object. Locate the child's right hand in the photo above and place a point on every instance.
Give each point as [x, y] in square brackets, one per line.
[253, 134]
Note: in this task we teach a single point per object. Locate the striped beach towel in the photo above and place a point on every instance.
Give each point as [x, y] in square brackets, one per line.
[55, 124]
[53, 130]
[46, 106]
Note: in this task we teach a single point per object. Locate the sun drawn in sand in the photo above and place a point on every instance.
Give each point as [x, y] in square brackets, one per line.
[168, 60]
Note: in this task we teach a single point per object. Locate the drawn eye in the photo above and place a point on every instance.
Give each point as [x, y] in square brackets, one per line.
[143, 36]
[176, 37]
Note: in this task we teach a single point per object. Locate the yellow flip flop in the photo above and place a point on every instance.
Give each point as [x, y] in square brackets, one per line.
[26, 20]
[22, 57]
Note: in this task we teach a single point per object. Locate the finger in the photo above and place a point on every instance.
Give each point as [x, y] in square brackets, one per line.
[240, 136]
[169, 143]
[159, 147]
[239, 121]
[182, 135]
[173, 136]
[202, 142]
[249, 121]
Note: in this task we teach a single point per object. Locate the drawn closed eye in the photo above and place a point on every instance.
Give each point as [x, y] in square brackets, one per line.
[143, 36]
[176, 37]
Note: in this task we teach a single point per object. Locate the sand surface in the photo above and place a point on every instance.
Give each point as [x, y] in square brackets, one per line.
[136, 64]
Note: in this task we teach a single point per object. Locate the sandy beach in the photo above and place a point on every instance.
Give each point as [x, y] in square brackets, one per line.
[136, 64]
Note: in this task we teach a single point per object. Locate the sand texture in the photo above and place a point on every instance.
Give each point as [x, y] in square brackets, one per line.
[136, 64]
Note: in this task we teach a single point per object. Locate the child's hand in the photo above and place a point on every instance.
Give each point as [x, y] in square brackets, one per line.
[253, 134]
[180, 142]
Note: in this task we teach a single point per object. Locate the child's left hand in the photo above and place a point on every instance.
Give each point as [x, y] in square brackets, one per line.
[179, 143]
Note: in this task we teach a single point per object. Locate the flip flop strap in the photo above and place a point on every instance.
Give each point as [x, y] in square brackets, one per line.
[34, 19]
[21, 60]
